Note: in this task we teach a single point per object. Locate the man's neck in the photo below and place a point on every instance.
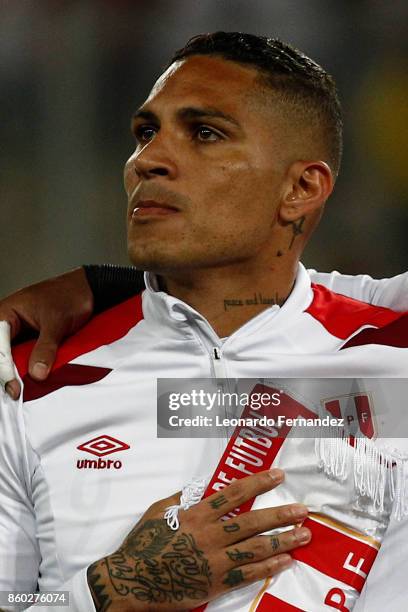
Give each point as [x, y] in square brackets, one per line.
[229, 297]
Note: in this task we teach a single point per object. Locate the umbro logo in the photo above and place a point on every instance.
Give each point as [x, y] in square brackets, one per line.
[103, 445]
[100, 447]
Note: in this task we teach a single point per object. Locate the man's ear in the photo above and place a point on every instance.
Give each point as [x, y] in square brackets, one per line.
[308, 185]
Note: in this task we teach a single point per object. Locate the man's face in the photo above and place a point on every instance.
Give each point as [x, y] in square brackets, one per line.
[209, 151]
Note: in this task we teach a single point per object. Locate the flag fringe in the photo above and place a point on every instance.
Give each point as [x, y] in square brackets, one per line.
[377, 474]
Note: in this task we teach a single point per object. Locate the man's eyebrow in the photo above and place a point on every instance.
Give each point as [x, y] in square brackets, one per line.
[146, 115]
[192, 112]
[188, 113]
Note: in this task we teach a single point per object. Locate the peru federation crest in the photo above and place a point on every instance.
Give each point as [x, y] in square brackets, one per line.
[357, 411]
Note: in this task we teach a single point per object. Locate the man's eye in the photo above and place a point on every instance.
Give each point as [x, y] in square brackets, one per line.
[145, 133]
[206, 134]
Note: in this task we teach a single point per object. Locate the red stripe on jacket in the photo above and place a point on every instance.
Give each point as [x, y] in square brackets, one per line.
[342, 316]
[104, 328]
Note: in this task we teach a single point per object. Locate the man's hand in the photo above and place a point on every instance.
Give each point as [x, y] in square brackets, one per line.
[157, 569]
[56, 308]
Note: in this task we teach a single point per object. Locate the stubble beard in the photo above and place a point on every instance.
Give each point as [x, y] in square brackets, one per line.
[185, 254]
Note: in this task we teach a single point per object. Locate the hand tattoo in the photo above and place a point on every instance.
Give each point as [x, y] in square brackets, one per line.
[154, 565]
[231, 528]
[275, 543]
[237, 555]
[218, 502]
[234, 577]
[100, 596]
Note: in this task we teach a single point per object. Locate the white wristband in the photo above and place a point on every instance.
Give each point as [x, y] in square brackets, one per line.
[7, 369]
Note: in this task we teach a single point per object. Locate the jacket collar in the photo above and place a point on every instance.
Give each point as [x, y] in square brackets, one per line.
[161, 309]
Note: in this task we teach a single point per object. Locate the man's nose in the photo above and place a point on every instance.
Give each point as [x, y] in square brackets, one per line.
[154, 160]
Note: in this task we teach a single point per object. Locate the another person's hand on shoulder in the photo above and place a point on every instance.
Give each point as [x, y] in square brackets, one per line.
[55, 308]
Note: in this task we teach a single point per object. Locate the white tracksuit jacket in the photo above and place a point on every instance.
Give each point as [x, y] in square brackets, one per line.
[59, 512]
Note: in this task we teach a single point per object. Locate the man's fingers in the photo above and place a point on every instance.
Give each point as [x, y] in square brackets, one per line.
[262, 547]
[43, 356]
[241, 491]
[258, 521]
[44, 353]
[13, 388]
[238, 577]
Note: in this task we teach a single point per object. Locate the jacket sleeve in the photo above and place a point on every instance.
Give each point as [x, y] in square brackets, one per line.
[80, 598]
[111, 284]
[20, 556]
[388, 292]
[19, 551]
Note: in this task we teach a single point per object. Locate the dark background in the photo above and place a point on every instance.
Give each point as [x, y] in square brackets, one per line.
[73, 71]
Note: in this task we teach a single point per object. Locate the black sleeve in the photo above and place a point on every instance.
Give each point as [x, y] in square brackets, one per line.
[111, 284]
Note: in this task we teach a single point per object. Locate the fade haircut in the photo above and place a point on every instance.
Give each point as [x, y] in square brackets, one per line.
[307, 92]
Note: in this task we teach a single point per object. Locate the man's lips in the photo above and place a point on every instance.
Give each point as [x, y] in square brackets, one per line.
[146, 208]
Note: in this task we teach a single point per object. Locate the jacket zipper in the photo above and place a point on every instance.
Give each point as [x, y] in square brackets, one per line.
[217, 363]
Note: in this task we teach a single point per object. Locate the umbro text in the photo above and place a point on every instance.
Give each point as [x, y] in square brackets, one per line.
[100, 464]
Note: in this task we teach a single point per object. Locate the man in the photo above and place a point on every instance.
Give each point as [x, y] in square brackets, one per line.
[224, 189]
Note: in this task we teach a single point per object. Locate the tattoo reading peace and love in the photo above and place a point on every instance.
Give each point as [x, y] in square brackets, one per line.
[155, 565]
[257, 298]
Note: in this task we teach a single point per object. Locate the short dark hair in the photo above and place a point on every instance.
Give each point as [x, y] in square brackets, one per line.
[299, 80]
